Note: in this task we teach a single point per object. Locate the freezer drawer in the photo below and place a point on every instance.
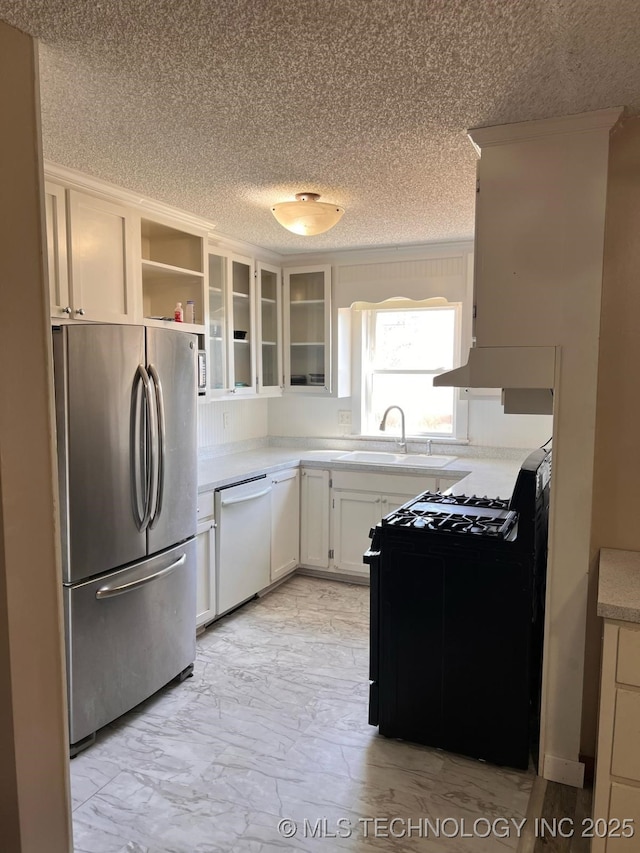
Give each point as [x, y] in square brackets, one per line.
[128, 634]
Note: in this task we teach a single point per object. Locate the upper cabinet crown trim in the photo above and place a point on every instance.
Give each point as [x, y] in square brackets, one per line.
[524, 131]
[80, 180]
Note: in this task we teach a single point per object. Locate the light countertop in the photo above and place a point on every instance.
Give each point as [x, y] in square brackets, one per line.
[619, 585]
[480, 476]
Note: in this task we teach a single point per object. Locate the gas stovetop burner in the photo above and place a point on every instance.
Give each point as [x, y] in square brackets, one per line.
[464, 500]
[455, 514]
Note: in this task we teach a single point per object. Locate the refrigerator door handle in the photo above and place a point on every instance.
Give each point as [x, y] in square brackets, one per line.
[136, 443]
[162, 446]
[108, 591]
[151, 445]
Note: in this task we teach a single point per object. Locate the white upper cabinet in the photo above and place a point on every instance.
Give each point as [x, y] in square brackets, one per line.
[56, 222]
[231, 331]
[173, 270]
[307, 329]
[101, 265]
[269, 330]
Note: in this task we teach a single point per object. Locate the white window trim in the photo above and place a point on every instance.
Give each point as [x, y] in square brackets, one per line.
[359, 342]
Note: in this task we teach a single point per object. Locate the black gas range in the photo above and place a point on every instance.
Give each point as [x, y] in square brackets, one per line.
[457, 616]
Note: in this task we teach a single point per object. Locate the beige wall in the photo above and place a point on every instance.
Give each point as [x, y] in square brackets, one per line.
[34, 793]
[616, 501]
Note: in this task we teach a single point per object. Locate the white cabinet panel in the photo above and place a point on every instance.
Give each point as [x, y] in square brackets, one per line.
[56, 223]
[205, 505]
[354, 513]
[628, 670]
[232, 326]
[626, 735]
[206, 573]
[307, 329]
[624, 806]
[314, 518]
[285, 522]
[390, 503]
[269, 330]
[101, 260]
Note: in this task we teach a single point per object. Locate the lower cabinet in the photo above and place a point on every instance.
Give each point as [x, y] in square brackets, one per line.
[206, 565]
[354, 514]
[616, 808]
[285, 522]
[358, 503]
[206, 585]
[314, 518]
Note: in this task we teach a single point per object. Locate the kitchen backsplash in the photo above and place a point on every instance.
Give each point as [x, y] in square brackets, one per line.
[232, 425]
[317, 417]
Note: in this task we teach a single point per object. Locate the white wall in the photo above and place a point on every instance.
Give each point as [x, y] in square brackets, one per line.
[246, 420]
[418, 273]
[488, 425]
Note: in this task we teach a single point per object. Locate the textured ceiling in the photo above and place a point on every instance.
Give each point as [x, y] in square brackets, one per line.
[223, 108]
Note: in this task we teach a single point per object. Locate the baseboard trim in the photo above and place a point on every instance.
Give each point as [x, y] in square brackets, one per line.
[563, 771]
[332, 576]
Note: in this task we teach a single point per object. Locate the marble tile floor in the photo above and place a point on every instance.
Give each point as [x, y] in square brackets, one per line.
[273, 726]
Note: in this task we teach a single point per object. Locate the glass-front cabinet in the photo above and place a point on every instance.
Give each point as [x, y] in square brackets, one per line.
[308, 329]
[269, 330]
[231, 325]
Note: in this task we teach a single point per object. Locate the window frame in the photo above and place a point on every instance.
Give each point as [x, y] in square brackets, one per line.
[362, 397]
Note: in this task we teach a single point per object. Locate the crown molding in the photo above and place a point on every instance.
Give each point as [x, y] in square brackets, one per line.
[525, 131]
[75, 179]
[381, 254]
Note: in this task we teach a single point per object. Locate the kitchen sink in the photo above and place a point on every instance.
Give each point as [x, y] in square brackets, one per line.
[383, 458]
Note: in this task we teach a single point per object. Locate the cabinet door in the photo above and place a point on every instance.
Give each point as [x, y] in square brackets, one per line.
[101, 260]
[56, 222]
[206, 573]
[285, 522]
[390, 503]
[354, 514]
[241, 326]
[314, 518]
[308, 329]
[217, 329]
[268, 330]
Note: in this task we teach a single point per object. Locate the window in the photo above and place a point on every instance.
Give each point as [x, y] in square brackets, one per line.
[403, 349]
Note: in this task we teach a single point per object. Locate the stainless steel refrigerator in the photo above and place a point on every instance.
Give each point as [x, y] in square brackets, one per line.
[126, 432]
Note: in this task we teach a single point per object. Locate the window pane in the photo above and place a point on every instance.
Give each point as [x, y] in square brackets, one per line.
[427, 409]
[414, 340]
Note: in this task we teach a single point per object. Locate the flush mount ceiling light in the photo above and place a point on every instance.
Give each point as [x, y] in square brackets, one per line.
[306, 215]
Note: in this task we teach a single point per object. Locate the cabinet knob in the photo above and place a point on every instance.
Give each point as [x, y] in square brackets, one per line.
[67, 310]
[80, 311]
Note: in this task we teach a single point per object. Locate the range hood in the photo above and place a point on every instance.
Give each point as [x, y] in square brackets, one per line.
[525, 374]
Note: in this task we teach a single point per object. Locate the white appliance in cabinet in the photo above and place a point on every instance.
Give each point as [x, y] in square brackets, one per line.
[243, 541]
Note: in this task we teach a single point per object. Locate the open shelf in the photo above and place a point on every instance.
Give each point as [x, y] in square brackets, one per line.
[171, 247]
[155, 270]
[196, 328]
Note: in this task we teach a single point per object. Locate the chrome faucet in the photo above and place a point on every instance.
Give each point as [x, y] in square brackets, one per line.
[403, 438]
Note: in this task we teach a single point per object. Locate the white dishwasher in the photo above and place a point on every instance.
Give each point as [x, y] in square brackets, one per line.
[243, 541]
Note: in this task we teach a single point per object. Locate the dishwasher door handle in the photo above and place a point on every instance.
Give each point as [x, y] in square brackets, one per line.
[251, 497]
